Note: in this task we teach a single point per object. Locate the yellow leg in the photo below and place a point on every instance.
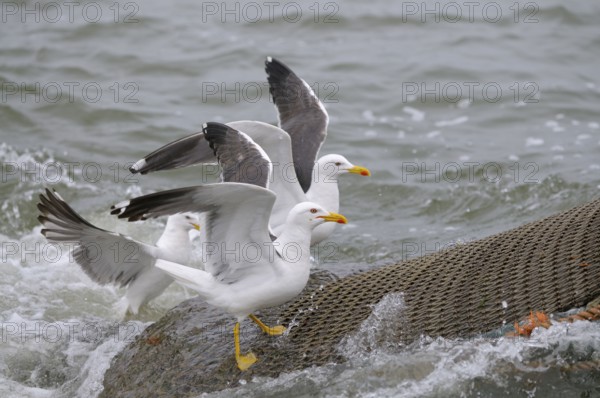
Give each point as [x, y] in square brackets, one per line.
[270, 330]
[243, 361]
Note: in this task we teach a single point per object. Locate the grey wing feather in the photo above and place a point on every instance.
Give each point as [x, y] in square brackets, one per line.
[201, 198]
[106, 257]
[301, 114]
[186, 151]
[163, 203]
[241, 159]
[238, 214]
[278, 144]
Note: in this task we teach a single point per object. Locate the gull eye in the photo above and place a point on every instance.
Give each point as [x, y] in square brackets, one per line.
[338, 163]
[313, 210]
[188, 217]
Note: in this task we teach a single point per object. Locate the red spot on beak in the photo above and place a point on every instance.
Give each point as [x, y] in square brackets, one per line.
[364, 173]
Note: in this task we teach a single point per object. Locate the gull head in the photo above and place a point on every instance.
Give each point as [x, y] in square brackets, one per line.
[185, 221]
[333, 165]
[311, 215]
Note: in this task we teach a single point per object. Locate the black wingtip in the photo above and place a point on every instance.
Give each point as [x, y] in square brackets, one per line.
[42, 220]
[43, 209]
[44, 195]
[45, 200]
[122, 213]
[278, 77]
[214, 126]
[215, 133]
[276, 69]
[214, 130]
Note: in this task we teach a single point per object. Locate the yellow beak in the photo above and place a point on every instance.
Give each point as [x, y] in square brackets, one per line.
[334, 217]
[363, 171]
[196, 226]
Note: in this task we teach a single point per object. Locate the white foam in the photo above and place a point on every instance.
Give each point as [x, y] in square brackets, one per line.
[10, 388]
[582, 137]
[368, 115]
[416, 115]
[44, 293]
[453, 122]
[464, 103]
[381, 329]
[533, 141]
[98, 362]
[555, 126]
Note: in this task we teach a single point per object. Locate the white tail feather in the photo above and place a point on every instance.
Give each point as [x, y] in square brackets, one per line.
[192, 278]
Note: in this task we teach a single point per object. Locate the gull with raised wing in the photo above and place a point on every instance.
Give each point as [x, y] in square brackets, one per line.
[111, 258]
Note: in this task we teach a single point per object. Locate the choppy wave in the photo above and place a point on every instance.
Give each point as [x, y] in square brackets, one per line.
[65, 358]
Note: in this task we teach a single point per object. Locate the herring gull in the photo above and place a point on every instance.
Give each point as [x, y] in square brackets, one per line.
[108, 257]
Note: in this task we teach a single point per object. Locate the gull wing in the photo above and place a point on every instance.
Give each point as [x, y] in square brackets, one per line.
[186, 151]
[278, 145]
[241, 159]
[301, 115]
[106, 257]
[236, 223]
[195, 149]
